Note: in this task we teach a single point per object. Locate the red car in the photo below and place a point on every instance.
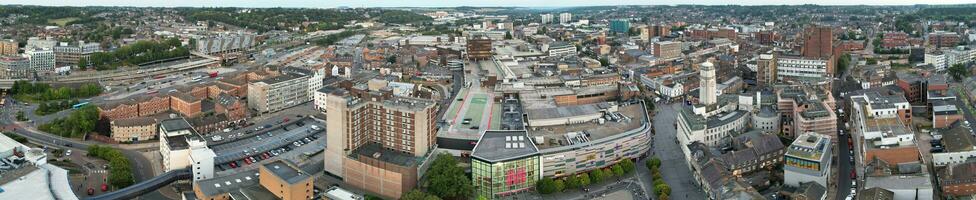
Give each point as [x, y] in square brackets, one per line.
[263, 157]
[853, 174]
[268, 155]
[91, 191]
[286, 119]
[247, 161]
[233, 165]
[104, 187]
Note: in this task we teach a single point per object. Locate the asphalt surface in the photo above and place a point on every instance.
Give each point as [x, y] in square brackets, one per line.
[843, 157]
[674, 167]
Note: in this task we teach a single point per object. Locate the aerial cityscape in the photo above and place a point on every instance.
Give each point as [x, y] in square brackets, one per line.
[482, 100]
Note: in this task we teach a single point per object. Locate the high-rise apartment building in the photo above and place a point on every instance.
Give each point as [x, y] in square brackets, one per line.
[565, 18]
[619, 25]
[374, 134]
[546, 18]
[817, 41]
[277, 93]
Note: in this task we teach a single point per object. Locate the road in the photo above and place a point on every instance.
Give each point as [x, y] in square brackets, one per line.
[143, 167]
[674, 169]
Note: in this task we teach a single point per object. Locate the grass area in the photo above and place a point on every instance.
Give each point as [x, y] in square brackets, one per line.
[476, 109]
[496, 118]
[455, 105]
[62, 21]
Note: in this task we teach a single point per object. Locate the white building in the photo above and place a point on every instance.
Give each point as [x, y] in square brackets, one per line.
[707, 86]
[202, 163]
[960, 145]
[937, 60]
[546, 18]
[791, 69]
[559, 49]
[176, 139]
[224, 42]
[565, 18]
[41, 60]
[320, 99]
[808, 159]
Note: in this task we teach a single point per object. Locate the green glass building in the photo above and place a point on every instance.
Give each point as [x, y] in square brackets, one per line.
[504, 163]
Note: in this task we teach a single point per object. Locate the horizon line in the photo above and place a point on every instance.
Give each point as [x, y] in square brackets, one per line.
[548, 7]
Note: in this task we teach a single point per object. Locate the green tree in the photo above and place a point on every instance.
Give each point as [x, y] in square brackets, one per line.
[627, 165]
[572, 182]
[662, 189]
[447, 180]
[508, 35]
[546, 186]
[604, 61]
[560, 185]
[418, 195]
[958, 72]
[597, 175]
[843, 62]
[617, 170]
[21, 116]
[652, 163]
[584, 180]
[663, 197]
[607, 173]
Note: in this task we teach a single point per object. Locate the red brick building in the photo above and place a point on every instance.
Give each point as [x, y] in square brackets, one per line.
[233, 107]
[817, 41]
[187, 105]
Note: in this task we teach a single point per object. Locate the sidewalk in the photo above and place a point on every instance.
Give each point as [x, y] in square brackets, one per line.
[595, 190]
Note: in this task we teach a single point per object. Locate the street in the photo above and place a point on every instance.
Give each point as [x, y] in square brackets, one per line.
[674, 169]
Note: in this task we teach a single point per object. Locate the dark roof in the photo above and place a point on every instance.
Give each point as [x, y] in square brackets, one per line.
[278, 79]
[136, 121]
[812, 190]
[225, 99]
[958, 138]
[287, 171]
[498, 145]
[177, 142]
[875, 193]
[175, 124]
[377, 151]
[186, 97]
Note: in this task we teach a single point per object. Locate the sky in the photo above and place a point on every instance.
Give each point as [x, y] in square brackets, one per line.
[452, 3]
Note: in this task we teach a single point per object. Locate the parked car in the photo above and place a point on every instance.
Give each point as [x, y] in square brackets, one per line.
[91, 191]
[104, 187]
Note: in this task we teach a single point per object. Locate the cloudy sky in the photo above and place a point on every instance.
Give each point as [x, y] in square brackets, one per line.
[449, 3]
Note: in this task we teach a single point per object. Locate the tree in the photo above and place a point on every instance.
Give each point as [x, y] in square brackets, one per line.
[597, 176]
[447, 180]
[604, 61]
[584, 180]
[662, 189]
[607, 173]
[653, 163]
[627, 165]
[546, 186]
[418, 195]
[663, 197]
[560, 185]
[392, 59]
[508, 35]
[617, 170]
[958, 72]
[572, 182]
[843, 62]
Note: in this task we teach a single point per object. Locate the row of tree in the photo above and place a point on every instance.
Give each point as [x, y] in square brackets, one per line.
[549, 185]
[54, 106]
[267, 19]
[401, 17]
[661, 189]
[120, 172]
[134, 54]
[27, 91]
[77, 124]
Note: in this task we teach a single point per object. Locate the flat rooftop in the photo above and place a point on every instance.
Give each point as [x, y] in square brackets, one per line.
[287, 171]
[499, 145]
[810, 146]
[564, 111]
[228, 184]
[556, 136]
[378, 152]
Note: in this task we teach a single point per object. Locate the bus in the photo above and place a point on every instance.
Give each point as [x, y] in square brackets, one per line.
[79, 105]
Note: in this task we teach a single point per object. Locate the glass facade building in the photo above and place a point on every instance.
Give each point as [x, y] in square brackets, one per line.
[499, 179]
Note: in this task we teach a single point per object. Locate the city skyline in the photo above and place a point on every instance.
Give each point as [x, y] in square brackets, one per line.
[473, 3]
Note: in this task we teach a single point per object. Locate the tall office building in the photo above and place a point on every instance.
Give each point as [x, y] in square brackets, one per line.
[546, 18]
[817, 41]
[71, 54]
[565, 18]
[619, 25]
[478, 47]
[707, 86]
[375, 134]
[8, 47]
